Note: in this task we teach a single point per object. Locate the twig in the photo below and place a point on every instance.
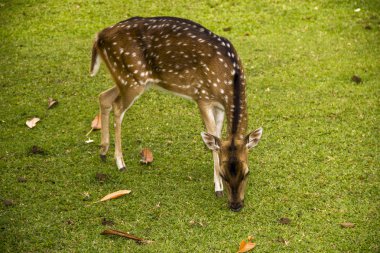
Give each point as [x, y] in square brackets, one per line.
[125, 235]
[92, 129]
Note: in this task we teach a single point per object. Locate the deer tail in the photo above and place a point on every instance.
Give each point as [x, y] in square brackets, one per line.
[95, 58]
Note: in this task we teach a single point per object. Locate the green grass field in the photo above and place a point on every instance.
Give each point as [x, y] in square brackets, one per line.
[317, 163]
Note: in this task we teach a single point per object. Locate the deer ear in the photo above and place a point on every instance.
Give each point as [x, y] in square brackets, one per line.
[211, 141]
[253, 138]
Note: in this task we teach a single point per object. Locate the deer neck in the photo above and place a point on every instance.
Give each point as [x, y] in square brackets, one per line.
[236, 108]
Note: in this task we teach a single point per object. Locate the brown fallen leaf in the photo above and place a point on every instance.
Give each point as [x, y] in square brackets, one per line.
[125, 235]
[347, 225]
[115, 195]
[32, 122]
[246, 246]
[146, 156]
[96, 123]
[52, 102]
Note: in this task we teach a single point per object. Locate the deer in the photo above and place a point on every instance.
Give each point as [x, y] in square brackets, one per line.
[184, 58]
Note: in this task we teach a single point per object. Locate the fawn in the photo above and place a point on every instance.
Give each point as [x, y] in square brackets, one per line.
[185, 58]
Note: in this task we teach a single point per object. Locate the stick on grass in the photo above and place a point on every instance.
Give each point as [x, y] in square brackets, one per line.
[125, 235]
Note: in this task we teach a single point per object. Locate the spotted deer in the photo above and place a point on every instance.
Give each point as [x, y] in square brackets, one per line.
[184, 58]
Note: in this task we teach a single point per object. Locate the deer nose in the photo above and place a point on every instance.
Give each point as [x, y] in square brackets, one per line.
[236, 206]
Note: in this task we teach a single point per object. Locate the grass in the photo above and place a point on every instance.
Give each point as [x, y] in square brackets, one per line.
[317, 164]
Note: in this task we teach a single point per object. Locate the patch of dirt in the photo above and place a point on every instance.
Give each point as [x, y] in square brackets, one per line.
[35, 150]
[284, 221]
[101, 178]
[107, 222]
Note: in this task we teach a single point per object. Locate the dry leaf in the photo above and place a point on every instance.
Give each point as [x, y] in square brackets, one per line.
[347, 225]
[97, 122]
[115, 195]
[32, 122]
[247, 246]
[52, 102]
[146, 156]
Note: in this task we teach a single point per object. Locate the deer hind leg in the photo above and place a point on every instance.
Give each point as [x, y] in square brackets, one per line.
[121, 105]
[106, 99]
[213, 120]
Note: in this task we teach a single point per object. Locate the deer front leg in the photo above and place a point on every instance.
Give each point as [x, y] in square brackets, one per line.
[218, 117]
[213, 120]
[106, 99]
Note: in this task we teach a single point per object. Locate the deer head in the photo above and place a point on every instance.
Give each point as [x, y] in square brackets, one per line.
[233, 162]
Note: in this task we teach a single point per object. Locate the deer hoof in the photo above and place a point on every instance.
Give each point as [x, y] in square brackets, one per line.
[219, 194]
[122, 169]
[103, 158]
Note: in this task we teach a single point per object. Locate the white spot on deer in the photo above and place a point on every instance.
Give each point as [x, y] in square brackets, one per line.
[222, 91]
[133, 54]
